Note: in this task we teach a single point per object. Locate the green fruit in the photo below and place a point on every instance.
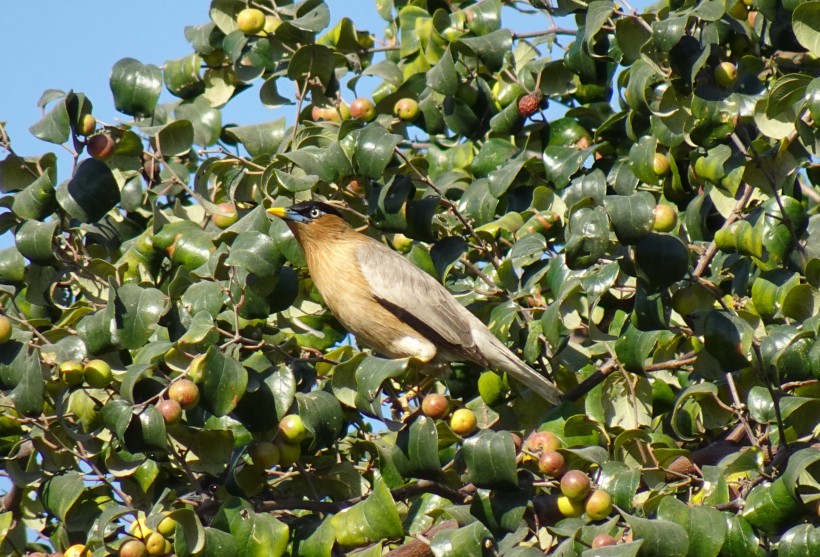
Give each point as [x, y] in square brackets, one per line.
[292, 429]
[362, 109]
[661, 165]
[491, 388]
[288, 453]
[435, 406]
[224, 221]
[598, 505]
[5, 329]
[185, 392]
[167, 526]
[265, 454]
[71, 373]
[666, 218]
[726, 74]
[401, 243]
[406, 109]
[97, 374]
[551, 463]
[463, 422]
[575, 484]
[250, 21]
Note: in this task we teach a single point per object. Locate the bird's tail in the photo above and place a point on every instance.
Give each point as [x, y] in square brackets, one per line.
[501, 358]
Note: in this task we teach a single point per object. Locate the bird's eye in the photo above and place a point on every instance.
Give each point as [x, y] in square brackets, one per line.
[315, 212]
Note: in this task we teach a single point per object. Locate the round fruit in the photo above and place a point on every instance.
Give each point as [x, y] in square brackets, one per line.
[272, 23]
[317, 113]
[265, 454]
[569, 507]
[185, 392]
[666, 218]
[517, 442]
[435, 406]
[406, 109]
[463, 421]
[603, 540]
[292, 429]
[196, 368]
[71, 373]
[100, 146]
[575, 484]
[155, 544]
[551, 463]
[288, 453]
[528, 105]
[214, 59]
[250, 21]
[86, 124]
[491, 388]
[224, 221]
[543, 441]
[660, 164]
[401, 243]
[5, 329]
[167, 526]
[133, 548]
[598, 505]
[77, 550]
[171, 411]
[343, 111]
[97, 374]
[726, 74]
[139, 529]
[362, 109]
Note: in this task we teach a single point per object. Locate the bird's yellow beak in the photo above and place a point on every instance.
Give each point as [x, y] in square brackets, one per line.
[280, 212]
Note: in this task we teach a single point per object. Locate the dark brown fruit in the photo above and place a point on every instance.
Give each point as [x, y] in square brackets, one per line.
[185, 392]
[551, 463]
[528, 105]
[575, 484]
[435, 406]
[101, 146]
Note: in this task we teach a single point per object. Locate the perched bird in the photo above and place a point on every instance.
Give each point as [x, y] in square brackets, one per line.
[390, 304]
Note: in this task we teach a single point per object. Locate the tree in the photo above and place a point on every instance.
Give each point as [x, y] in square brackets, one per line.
[171, 381]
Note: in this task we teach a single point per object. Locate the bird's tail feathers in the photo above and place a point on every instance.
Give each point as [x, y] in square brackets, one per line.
[501, 358]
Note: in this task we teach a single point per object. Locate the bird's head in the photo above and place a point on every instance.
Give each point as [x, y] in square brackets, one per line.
[311, 219]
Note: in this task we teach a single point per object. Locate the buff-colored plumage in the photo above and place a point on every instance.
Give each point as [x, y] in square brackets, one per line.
[393, 306]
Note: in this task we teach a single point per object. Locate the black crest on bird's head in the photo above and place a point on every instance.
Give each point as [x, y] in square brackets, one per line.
[308, 211]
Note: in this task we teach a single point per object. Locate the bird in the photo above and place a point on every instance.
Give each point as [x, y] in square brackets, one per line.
[391, 305]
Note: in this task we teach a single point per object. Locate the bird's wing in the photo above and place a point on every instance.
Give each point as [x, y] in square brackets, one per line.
[417, 299]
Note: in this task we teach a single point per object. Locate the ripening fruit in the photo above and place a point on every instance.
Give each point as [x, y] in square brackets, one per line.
[265, 454]
[463, 421]
[272, 23]
[660, 164]
[603, 540]
[598, 505]
[224, 221]
[170, 410]
[288, 452]
[250, 21]
[86, 124]
[185, 392]
[197, 368]
[139, 529]
[726, 74]
[71, 373]
[97, 374]
[543, 441]
[100, 146]
[292, 428]
[551, 463]
[401, 243]
[362, 109]
[528, 105]
[77, 550]
[5, 329]
[435, 406]
[575, 484]
[167, 526]
[317, 113]
[133, 548]
[491, 388]
[406, 109]
[155, 544]
[569, 507]
[666, 218]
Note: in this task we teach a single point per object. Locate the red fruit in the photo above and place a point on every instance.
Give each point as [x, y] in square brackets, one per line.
[435, 406]
[551, 463]
[543, 441]
[603, 540]
[598, 505]
[362, 109]
[101, 146]
[575, 484]
[171, 411]
[406, 109]
[528, 105]
[185, 392]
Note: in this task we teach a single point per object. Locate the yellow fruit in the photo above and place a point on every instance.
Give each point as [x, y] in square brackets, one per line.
[155, 544]
[71, 373]
[272, 23]
[250, 21]
[77, 550]
[569, 507]
[661, 165]
[598, 505]
[726, 74]
[292, 429]
[463, 421]
[5, 329]
[167, 526]
[97, 374]
[406, 109]
[86, 124]
[133, 548]
[666, 218]
[139, 529]
[224, 221]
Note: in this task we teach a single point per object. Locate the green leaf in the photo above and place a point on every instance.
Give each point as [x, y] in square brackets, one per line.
[373, 371]
[138, 310]
[322, 416]
[661, 260]
[415, 453]
[705, 526]
[473, 540]
[34, 240]
[38, 200]
[728, 339]
[802, 540]
[312, 61]
[224, 381]
[589, 238]
[61, 492]
[374, 519]
[806, 24]
[741, 540]
[136, 87]
[769, 507]
[632, 216]
[182, 77]
[55, 126]
[255, 534]
[12, 266]
[256, 253]
[206, 120]
[174, 139]
[490, 459]
[374, 150]
[661, 538]
[90, 193]
[260, 139]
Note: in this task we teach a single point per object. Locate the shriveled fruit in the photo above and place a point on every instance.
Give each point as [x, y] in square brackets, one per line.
[5, 329]
[726, 74]
[71, 373]
[406, 109]
[463, 421]
[250, 21]
[603, 540]
[491, 388]
[133, 548]
[185, 392]
[292, 429]
[570, 508]
[97, 373]
[528, 105]
[666, 218]
[551, 463]
[598, 505]
[362, 109]
[435, 406]
[265, 454]
[86, 124]
[543, 441]
[224, 221]
[661, 165]
[101, 146]
[171, 411]
[575, 484]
